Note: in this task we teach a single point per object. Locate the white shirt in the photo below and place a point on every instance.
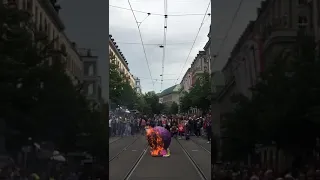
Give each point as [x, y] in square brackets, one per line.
[110, 121]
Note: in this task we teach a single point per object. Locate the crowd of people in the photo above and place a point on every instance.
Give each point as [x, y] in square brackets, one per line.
[128, 124]
[258, 173]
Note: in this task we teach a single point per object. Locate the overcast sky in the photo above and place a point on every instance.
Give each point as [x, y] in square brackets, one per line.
[85, 25]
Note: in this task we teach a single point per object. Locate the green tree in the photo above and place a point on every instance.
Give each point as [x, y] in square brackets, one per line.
[128, 95]
[283, 104]
[39, 100]
[152, 101]
[199, 95]
[174, 108]
[141, 105]
[116, 84]
[121, 92]
[185, 102]
[241, 129]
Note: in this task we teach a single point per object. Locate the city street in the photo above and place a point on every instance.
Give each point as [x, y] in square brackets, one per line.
[129, 159]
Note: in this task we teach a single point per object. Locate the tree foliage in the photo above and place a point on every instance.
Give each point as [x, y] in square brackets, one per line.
[199, 95]
[121, 91]
[284, 104]
[38, 99]
[174, 108]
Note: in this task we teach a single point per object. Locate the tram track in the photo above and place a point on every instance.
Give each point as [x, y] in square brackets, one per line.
[193, 162]
[123, 149]
[115, 140]
[199, 144]
[136, 163]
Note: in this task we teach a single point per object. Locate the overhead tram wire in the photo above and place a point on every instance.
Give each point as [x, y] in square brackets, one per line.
[195, 39]
[144, 50]
[153, 44]
[165, 29]
[155, 14]
[228, 31]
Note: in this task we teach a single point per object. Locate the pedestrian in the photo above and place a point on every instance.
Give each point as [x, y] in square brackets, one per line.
[190, 126]
[132, 127]
[180, 130]
[114, 127]
[110, 127]
[208, 130]
[122, 127]
[143, 125]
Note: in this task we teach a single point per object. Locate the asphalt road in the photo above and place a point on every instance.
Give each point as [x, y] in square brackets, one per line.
[113, 139]
[202, 142]
[121, 165]
[177, 166]
[199, 154]
[117, 146]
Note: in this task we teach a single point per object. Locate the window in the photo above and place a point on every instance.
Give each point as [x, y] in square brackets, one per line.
[90, 70]
[318, 7]
[302, 21]
[49, 31]
[24, 4]
[90, 89]
[36, 17]
[40, 22]
[285, 19]
[290, 14]
[29, 5]
[302, 2]
[45, 25]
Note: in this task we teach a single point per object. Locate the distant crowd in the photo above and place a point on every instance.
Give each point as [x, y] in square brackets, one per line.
[180, 126]
[257, 173]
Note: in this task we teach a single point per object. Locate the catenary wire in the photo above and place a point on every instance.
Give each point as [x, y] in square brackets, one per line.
[156, 14]
[228, 31]
[144, 50]
[153, 44]
[195, 39]
[144, 19]
[165, 29]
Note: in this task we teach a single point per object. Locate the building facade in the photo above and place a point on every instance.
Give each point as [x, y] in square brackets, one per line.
[315, 5]
[91, 79]
[170, 95]
[120, 61]
[186, 81]
[199, 66]
[272, 34]
[207, 50]
[45, 16]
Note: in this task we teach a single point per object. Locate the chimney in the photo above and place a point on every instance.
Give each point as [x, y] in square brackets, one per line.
[74, 45]
[89, 53]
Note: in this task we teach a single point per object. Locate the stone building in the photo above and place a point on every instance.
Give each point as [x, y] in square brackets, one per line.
[121, 61]
[45, 15]
[91, 78]
[264, 40]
